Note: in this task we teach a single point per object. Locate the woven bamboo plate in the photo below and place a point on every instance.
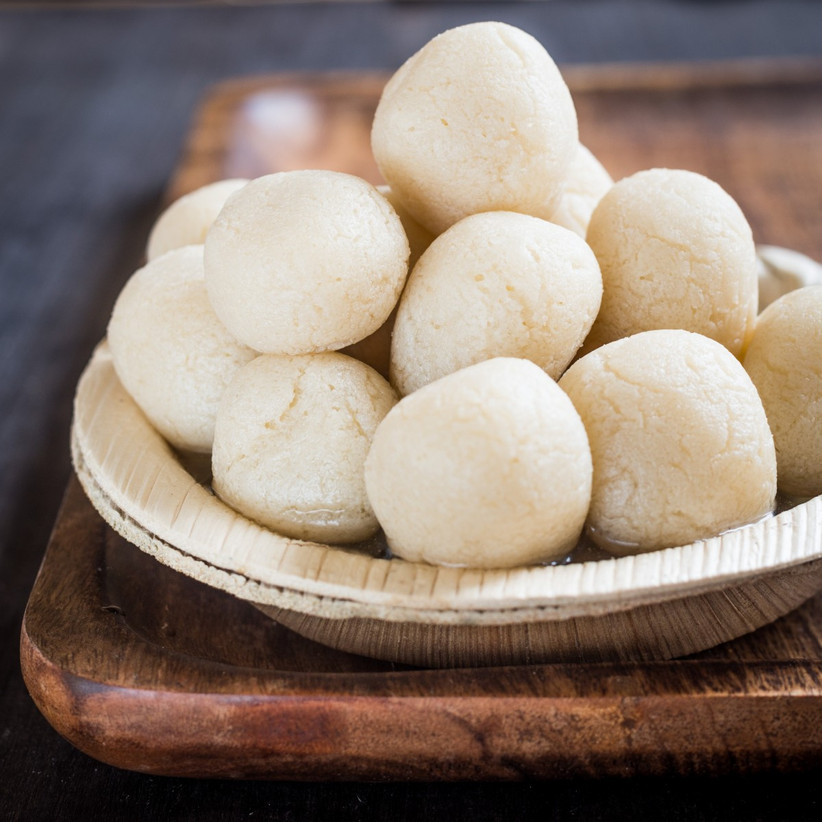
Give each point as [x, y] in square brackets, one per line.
[651, 606]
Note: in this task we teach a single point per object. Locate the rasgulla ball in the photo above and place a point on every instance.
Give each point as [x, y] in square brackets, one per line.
[479, 119]
[305, 261]
[170, 351]
[679, 439]
[487, 467]
[784, 359]
[495, 284]
[585, 186]
[186, 220]
[290, 442]
[375, 349]
[675, 252]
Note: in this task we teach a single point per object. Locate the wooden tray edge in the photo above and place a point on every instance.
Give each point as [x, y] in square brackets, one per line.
[292, 737]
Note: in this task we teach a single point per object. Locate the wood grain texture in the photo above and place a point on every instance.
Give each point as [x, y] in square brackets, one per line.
[129, 676]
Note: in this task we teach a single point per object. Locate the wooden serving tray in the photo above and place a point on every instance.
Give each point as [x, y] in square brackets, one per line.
[147, 669]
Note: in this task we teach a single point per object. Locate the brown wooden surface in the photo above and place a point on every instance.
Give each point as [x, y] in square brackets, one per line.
[149, 670]
[146, 669]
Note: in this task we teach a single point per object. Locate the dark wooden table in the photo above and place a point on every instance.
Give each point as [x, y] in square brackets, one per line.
[94, 106]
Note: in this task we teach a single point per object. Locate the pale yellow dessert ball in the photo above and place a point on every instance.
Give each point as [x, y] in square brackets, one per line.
[305, 261]
[498, 284]
[784, 359]
[375, 349]
[488, 467]
[290, 442]
[186, 220]
[479, 119]
[675, 252]
[586, 185]
[680, 442]
[170, 351]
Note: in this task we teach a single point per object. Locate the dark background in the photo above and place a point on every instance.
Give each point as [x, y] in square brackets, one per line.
[95, 102]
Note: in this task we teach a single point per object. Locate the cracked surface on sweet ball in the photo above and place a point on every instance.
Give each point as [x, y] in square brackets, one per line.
[290, 442]
[495, 285]
[675, 251]
[680, 443]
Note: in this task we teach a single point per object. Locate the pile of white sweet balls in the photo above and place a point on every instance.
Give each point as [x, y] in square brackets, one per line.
[249, 332]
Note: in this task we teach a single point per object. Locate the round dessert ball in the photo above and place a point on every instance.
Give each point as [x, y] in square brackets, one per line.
[488, 467]
[675, 252]
[586, 185]
[170, 351]
[290, 442]
[305, 261]
[186, 220]
[495, 284]
[375, 349]
[784, 360]
[479, 119]
[679, 439]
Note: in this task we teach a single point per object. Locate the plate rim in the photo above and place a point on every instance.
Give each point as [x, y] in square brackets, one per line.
[310, 577]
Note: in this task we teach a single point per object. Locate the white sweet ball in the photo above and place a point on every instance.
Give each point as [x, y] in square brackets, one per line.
[375, 349]
[499, 284]
[186, 220]
[290, 442]
[784, 359]
[170, 351]
[680, 443]
[675, 252]
[488, 467]
[585, 186]
[479, 119]
[305, 261]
